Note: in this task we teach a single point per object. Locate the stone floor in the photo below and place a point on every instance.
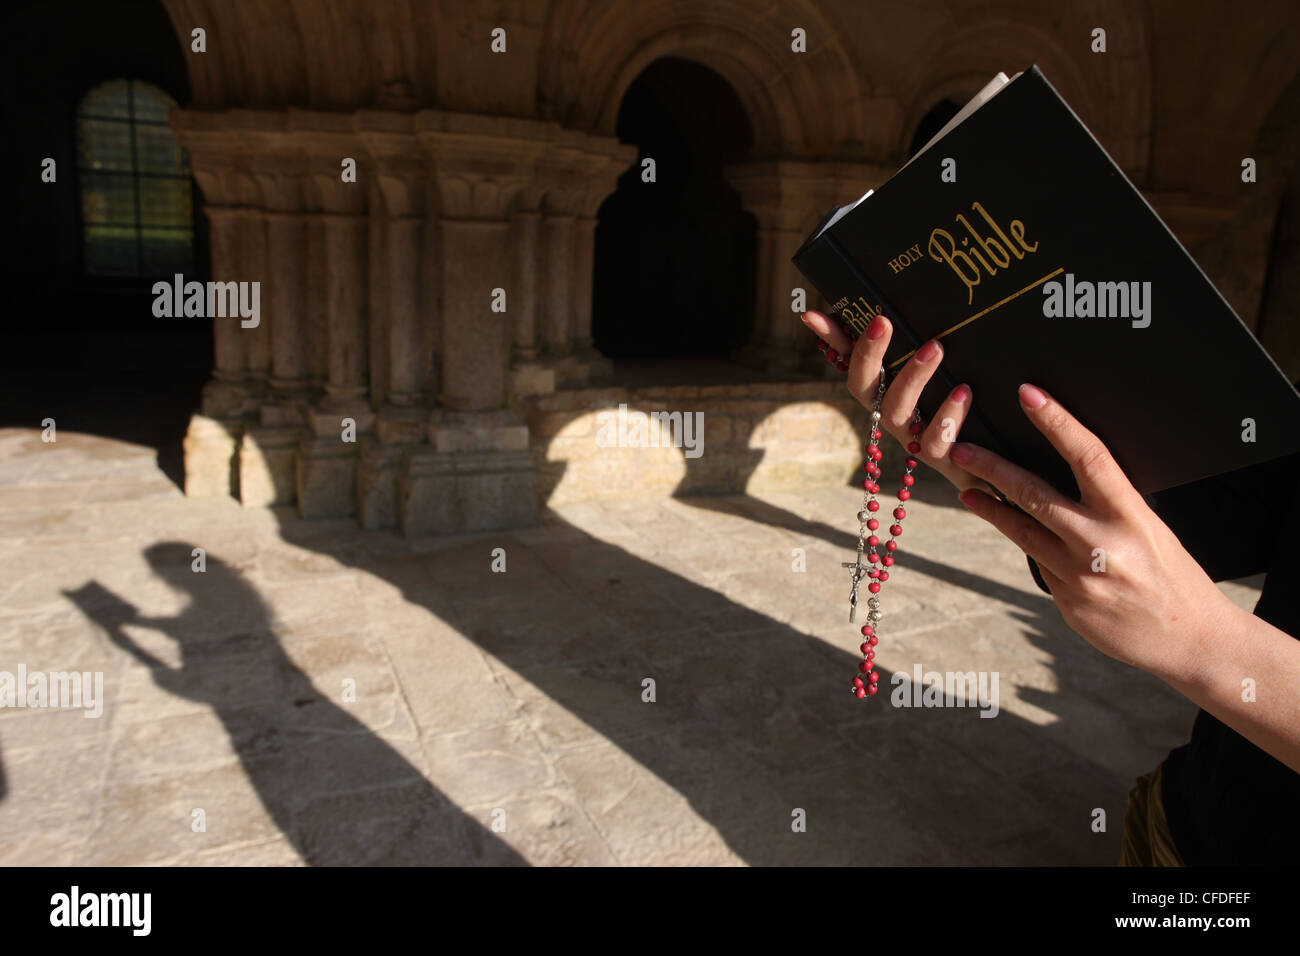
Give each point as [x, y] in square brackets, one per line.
[329, 696]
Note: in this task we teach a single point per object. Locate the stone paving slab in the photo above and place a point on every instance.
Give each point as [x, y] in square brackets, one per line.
[325, 695]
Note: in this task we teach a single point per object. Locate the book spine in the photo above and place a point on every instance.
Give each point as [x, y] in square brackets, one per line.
[854, 299]
[869, 299]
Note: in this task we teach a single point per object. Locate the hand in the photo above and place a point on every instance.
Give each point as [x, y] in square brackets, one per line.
[1152, 606]
[898, 407]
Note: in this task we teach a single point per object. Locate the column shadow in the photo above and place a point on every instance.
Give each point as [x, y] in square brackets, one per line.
[338, 792]
[753, 720]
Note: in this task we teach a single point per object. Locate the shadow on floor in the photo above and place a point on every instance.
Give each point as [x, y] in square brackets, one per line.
[753, 723]
[300, 750]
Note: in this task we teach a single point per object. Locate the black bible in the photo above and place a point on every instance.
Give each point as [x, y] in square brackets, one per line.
[1018, 242]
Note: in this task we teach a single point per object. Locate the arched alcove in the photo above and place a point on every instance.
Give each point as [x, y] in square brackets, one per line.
[675, 258]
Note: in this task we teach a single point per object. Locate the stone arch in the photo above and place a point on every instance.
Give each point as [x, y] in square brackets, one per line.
[793, 112]
[1115, 102]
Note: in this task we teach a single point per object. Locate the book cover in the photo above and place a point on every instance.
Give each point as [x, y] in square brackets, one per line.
[1042, 263]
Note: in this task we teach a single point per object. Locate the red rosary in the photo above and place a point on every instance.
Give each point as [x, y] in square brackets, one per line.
[865, 683]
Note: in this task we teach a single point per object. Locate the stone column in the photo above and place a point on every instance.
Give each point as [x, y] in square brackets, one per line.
[404, 280]
[224, 224]
[572, 180]
[527, 282]
[788, 199]
[211, 444]
[268, 453]
[398, 315]
[592, 364]
[557, 283]
[287, 301]
[477, 473]
[252, 268]
[340, 418]
[604, 161]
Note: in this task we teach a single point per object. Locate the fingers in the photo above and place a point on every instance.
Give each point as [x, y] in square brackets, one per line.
[828, 331]
[937, 440]
[868, 354]
[905, 391]
[1101, 482]
[1023, 531]
[1036, 498]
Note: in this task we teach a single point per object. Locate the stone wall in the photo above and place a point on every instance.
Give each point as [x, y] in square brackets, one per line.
[481, 170]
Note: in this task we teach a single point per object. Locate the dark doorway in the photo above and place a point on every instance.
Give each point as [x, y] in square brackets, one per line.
[82, 345]
[676, 259]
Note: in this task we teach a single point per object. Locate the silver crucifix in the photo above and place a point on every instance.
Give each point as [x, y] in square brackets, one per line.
[859, 572]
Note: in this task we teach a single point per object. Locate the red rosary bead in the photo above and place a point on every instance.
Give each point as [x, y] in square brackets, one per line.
[908, 481]
[871, 688]
[822, 346]
[864, 666]
[873, 524]
[891, 545]
[874, 587]
[884, 575]
[858, 682]
[832, 355]
[914, 428]
[912, 463]
[900, 514]
[873, 541]
[860, 693]
[895, 529]
[868, 630]
[904, 494]
[873, 506]
[914, 447]
[887, 560]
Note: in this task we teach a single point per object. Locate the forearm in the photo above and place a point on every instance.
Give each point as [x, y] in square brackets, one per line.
[1225, 652]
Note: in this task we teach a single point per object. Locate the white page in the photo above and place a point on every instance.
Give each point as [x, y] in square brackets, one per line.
[990, 90]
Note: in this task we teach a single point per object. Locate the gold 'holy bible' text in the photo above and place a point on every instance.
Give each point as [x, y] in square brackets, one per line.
[976, 255]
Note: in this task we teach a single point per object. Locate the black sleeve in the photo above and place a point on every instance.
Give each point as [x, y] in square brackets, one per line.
[1230, 523]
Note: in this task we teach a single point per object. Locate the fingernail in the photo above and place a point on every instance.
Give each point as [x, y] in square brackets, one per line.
[804, 318]
[1032, 397]
[877, 327]
[961, 453]
[967, 497]
[928, 351]
[961, 394]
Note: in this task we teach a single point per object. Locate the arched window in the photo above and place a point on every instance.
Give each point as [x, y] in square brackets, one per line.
[136, 208]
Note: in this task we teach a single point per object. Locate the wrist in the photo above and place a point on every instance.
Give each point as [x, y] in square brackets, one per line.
[1203, 648]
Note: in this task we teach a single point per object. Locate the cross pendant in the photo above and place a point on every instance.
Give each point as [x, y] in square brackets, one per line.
[859, 572]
